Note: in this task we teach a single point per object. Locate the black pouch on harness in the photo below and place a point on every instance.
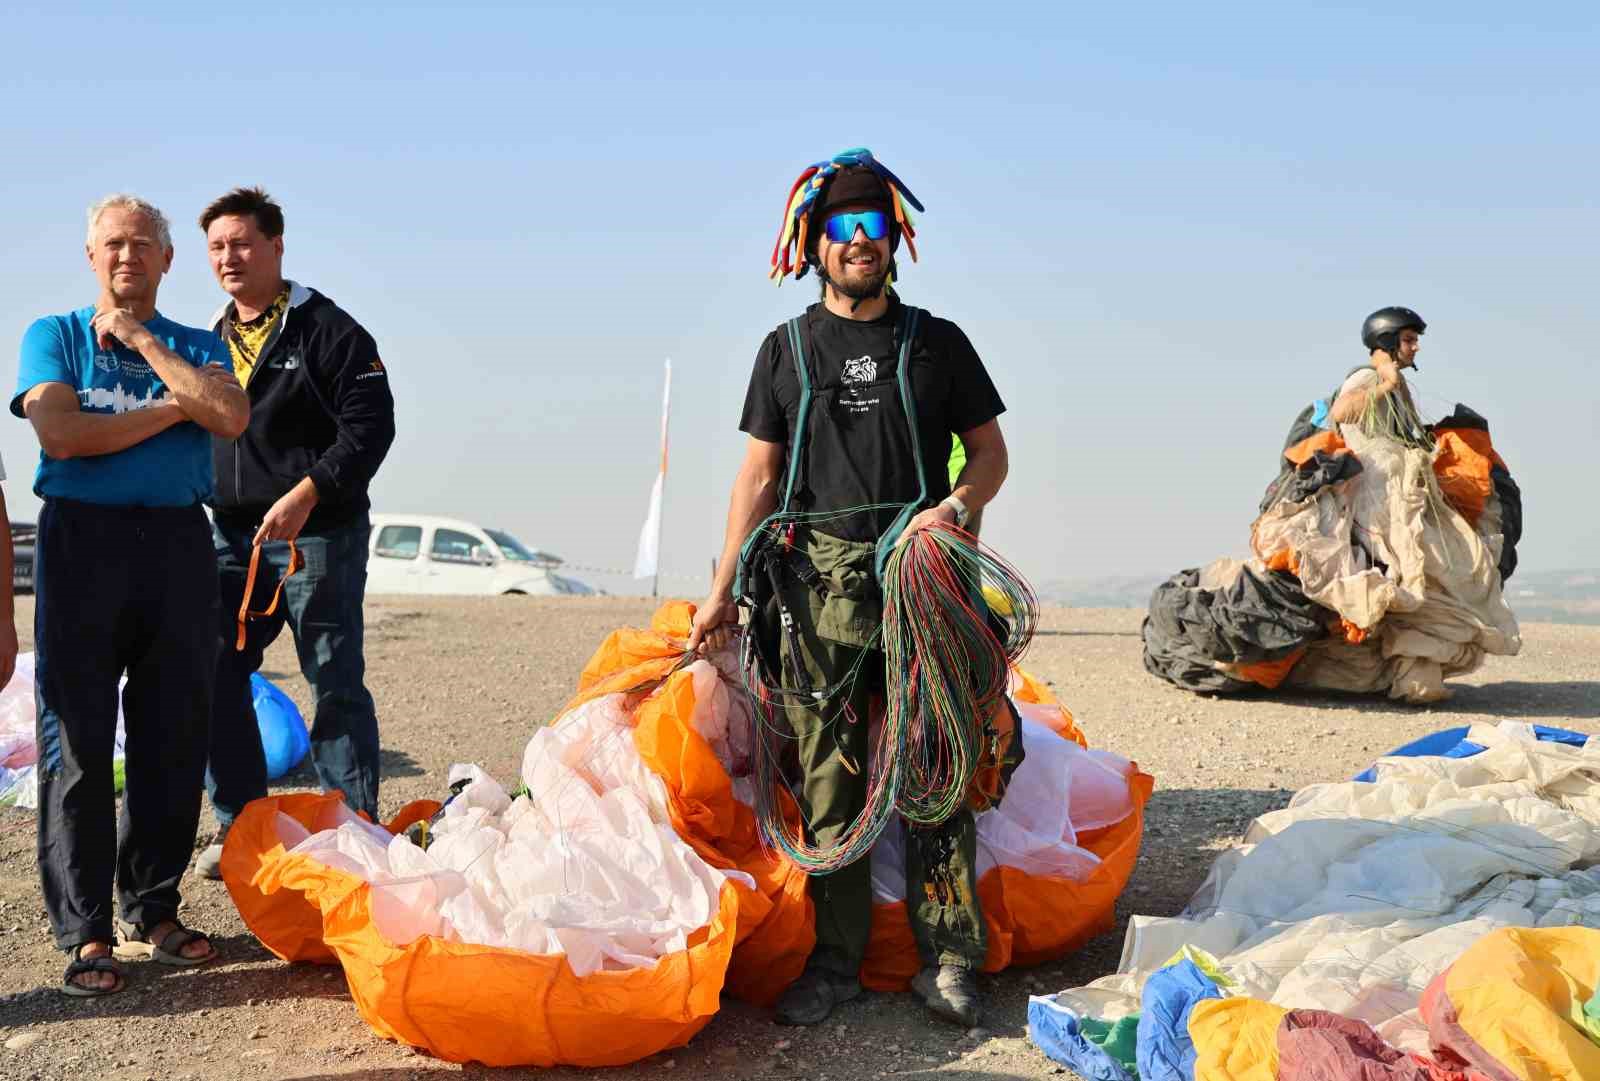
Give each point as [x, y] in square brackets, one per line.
[765, 624]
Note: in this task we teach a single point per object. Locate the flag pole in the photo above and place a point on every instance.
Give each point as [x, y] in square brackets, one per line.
[666, 412]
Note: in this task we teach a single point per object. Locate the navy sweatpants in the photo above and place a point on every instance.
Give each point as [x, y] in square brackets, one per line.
[120, 590]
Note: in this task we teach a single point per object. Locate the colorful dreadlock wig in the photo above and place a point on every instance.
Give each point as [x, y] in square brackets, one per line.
[789, 254]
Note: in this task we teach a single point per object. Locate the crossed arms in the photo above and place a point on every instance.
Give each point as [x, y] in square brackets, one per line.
[210, 397]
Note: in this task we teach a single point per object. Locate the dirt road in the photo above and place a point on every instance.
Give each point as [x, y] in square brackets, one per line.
[469, 677]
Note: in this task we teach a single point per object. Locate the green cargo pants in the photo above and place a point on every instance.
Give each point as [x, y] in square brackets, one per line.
[838, 622]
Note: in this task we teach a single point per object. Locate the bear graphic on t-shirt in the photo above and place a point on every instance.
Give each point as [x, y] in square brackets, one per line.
[860, 370]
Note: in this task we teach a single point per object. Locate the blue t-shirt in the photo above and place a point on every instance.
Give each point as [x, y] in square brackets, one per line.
[171, 468]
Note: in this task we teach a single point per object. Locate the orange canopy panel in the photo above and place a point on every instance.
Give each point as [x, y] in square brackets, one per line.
[289, 926]
[1463, 463]
[775, 919]
[1324, 442]
[1031, 918]
[1269, 674]
[467, 1003]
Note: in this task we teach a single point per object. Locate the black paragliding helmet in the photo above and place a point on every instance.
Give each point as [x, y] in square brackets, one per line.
[1381, 329]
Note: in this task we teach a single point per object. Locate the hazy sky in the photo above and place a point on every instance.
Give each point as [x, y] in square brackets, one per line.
[1161, 226]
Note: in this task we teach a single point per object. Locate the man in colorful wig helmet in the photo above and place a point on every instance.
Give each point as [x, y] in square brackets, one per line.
[844, 482]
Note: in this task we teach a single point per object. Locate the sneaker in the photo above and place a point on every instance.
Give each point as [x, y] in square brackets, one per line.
[208, 864]
[813, 996]
[951, 992]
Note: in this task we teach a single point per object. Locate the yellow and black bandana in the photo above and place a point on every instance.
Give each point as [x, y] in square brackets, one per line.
[249, 337]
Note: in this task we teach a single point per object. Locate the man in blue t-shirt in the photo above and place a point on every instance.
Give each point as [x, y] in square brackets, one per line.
[124, 403]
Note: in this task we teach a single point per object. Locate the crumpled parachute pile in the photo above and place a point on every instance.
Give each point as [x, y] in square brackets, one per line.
[596, 918]
[1434, 923]
[1376, 566]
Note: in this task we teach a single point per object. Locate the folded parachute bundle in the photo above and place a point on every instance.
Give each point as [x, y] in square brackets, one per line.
[1436, 922]
[1377, 565]
[596, 917]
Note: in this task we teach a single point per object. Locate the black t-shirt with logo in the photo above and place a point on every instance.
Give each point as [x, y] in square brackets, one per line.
[859, 449]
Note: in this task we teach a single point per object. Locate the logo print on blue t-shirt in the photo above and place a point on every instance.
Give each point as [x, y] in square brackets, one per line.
[106, 362]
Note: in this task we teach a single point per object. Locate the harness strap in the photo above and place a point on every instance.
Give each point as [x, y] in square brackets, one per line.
[909, 404]
[798, 352]
[805, 571]
[743, 573]
[296, 562]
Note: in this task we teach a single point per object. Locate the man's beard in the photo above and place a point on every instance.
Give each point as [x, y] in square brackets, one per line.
[857, 288]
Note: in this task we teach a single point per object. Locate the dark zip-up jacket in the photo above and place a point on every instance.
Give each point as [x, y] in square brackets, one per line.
[320, 407]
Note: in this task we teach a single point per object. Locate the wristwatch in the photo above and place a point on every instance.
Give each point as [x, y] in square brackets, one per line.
[962, 514]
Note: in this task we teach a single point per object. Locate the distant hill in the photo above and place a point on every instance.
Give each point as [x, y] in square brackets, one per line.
[1569, 596]
[1132, 591]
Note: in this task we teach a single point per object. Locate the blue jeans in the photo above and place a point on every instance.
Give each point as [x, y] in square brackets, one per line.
[322, 606]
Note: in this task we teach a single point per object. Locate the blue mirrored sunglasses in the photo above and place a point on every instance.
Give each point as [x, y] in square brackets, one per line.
[841, 228]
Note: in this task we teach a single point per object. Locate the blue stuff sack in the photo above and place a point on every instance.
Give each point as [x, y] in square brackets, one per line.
[283, 731]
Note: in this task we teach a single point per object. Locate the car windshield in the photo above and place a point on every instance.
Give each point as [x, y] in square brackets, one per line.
[513, 549]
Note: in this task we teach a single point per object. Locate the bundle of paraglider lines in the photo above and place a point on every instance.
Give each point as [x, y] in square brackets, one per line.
[948, 667]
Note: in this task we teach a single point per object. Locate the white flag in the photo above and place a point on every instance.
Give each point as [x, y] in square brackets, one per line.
[647, 564]
[647, 561]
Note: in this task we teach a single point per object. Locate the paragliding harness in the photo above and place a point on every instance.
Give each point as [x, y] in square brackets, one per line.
[767, 556]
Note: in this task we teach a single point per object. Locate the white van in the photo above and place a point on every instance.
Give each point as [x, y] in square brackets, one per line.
[422, 553]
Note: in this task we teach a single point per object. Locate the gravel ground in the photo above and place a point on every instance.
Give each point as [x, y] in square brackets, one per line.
[457, 677]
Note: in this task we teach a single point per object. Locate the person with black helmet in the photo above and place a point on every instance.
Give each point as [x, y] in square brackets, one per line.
[835, 436]
[1375, 395]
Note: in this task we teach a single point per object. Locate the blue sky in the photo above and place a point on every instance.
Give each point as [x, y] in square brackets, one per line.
[1160, 225]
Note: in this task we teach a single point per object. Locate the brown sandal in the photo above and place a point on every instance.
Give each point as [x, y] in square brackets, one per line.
[81, 964]
[134, 944]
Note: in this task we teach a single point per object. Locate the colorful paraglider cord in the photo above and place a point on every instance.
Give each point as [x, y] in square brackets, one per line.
[948, 664]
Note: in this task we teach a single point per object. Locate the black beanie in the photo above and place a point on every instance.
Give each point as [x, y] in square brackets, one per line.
[858, 185]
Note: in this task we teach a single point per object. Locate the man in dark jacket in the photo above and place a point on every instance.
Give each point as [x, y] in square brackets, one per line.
[294, 485]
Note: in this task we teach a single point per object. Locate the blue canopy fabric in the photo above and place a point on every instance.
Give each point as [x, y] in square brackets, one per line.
[1080, 1043]
[1166, 1053]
